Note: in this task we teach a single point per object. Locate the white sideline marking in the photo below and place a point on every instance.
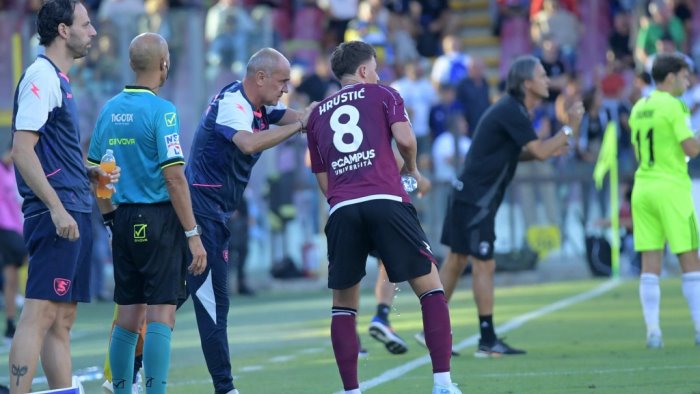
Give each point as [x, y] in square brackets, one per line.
[312, 350]
[251, 368]
[508, 326]
[591, 371]
[282, 359]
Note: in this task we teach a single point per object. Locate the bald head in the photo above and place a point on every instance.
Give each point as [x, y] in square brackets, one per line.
[267, 60]
[147, 51]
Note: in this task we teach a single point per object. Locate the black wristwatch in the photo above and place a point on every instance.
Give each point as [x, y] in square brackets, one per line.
[194, 232]
[108, 219]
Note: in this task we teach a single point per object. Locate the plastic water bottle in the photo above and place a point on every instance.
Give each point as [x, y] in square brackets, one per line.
[409, 183]
[105, 189]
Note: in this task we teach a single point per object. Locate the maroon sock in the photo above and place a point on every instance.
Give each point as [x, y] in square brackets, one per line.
[438, 332]
[345, 345]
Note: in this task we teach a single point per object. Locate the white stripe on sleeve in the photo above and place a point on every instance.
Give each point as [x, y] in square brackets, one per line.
[235, 112]
[39, 94]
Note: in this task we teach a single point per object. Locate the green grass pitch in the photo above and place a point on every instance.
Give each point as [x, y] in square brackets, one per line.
[280, 344]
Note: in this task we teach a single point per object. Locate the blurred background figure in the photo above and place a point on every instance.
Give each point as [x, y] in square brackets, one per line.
[227, 30]
[561, 25]
[662, 21]
[453, 65]
[13, 253]
[239, 226]
[473, 92]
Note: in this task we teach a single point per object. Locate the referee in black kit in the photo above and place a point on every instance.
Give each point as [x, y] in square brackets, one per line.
[504, 136]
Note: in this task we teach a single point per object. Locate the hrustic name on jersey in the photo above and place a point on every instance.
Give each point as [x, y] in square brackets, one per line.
[341, 99]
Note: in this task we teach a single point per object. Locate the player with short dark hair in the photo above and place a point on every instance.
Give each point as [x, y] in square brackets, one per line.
[349, 137]
[228, 142]
[55, 184]
[503, 136]
[662, 201]
[153, 223]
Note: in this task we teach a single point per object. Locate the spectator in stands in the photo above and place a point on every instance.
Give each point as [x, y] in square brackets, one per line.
[619, 40]
[683, 10]
[340, 13]
[514, 29]
[431, 17]
[372, 27]
[122, 18]
[642, 86]
[537, 6]
[317, 85]
[401, 31]
[536, 190]
[691, 98]
[561, 25]
[227, 29]
[666, 44]
[442, 110]
[593, 123]
[418, 96]
[570, 95]
[448, 153]
[309, 21]
[662, 22]
[473, 93]
[453, 65]
[616, 85]
[553, 64]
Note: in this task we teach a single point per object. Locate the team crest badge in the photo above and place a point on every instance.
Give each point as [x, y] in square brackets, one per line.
[484, 248]
[61, 286]
[225, 254]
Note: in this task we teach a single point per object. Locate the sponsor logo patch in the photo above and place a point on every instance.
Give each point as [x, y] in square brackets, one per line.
[122, 118]
[172, 142]
[35, 90]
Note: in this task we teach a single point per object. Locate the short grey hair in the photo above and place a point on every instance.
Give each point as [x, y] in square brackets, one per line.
[266, 60]
[522, 69]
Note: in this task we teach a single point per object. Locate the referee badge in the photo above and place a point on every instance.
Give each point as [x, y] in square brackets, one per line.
[170, 119]
[140, 233]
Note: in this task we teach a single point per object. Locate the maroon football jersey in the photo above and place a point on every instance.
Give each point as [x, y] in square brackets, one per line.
[349, 136]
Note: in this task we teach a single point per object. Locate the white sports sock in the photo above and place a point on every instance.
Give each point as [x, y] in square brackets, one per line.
[353, 391]
[691, 291]
[442, 379]
[650, 296]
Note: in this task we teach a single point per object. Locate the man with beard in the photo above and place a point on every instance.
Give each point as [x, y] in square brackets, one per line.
[55, 184]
